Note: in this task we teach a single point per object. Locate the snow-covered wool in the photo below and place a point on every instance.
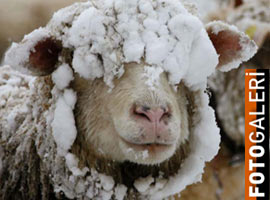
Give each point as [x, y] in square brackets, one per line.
[41, 129]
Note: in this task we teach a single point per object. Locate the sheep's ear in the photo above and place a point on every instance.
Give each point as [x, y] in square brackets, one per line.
[44, 56]
[232, 46]
[37, 54]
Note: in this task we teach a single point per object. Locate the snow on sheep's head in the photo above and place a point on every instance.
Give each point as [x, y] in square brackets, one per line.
[149, 112]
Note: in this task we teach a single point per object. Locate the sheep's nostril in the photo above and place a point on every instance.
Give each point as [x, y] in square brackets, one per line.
[154, 115]
[141, 113]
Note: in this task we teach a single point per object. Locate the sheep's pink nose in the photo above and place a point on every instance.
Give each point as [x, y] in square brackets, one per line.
[153, 115]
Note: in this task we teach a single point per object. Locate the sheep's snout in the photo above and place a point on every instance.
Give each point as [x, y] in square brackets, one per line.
[132, 122]
[153, 122]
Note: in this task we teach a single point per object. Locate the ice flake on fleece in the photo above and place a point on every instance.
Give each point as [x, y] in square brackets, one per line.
[149, 185]
[107, 182]
[133, 49]
[152, 76]
[86, 64]
[70, 98]
[62, 76]
[85, 31]
[195, 78]
[63, 19]
[72, 163]
[63, 125]
[157, 48]
[120, 192]
[142, 184]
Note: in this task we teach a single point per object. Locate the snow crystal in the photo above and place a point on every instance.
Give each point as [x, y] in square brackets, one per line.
[152, 76]
[70, 98]
[63, 125]
[87, 64]
[159, 185]
[62, 76]
[107, 182]
[194, 77]
[120, 192]
[133, 49]
[185, 28]
[142, 184]
[72, 164]
[84, 30]
[105, 195]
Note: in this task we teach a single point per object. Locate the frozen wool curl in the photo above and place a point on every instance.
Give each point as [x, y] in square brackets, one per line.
[163, 33]
[107, 34]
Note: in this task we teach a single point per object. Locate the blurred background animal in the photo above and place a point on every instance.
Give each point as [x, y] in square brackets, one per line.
[228, 91]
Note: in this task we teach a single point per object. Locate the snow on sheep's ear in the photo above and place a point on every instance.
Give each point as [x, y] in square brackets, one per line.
[232, 46]
[37, 54]
[44, 56]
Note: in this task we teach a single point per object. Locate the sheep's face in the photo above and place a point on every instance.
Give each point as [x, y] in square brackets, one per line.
[133, 121]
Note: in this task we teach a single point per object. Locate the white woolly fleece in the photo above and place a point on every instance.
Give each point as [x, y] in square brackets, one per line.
[162, 32]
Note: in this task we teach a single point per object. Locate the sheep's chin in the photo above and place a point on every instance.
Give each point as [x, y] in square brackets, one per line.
[147, 154]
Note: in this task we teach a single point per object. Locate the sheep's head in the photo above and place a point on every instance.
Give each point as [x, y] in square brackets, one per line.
[146, 113]
[134, 121]
[141, 120]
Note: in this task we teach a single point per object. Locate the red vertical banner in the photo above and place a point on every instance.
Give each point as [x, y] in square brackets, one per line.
[257, 134]
[250, 106]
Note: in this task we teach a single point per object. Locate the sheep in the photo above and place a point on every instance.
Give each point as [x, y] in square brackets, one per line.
[135, 124]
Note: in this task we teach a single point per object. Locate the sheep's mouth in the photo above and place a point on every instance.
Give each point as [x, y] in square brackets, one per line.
[150, 147]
